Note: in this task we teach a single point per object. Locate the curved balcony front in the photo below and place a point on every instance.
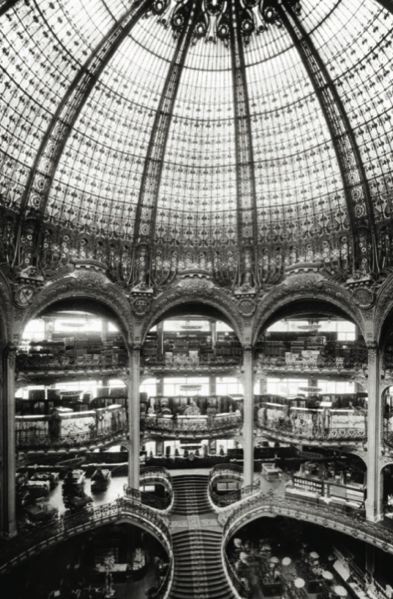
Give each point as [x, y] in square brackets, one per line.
[125, 510]
[59, 431]
[199, 426]
[334, 358]
[312, 426]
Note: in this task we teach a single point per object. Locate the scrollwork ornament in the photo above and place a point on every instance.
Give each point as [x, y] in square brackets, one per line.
[247, 306]
[364, 297]
[23, 295]
[141, 305]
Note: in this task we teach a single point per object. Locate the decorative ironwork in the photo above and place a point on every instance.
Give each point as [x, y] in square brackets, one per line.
[245, 175]
[357, 191]
[34, 200]
[349, 521]
[182, 16]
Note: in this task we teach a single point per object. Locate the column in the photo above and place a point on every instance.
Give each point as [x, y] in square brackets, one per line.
[134, 417]
[374, 439]
[160, 386]
[212, 385]
[248, 417]
[213, 332]
[7, 442]
[160, 339]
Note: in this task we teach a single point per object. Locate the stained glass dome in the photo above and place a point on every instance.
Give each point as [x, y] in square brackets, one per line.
[212, 132]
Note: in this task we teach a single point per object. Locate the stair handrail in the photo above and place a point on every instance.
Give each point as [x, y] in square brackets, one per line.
[24, 546]
[352, 520]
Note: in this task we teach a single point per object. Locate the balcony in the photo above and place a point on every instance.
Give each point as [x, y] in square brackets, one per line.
[319, 426]
[192, 426]
[332, 358]
[59, 431]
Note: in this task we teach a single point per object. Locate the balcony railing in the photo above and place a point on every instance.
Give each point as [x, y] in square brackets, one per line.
[334, 356]
[28, 544]
[312, 424]
[193, 424]
[229, 472]
[346, 520]
[40, 440]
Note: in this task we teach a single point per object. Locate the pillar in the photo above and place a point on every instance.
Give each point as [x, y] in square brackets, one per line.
[263, 384]
[134, 417]
[212, 385]
[374, 509]
[160, 386]
[160, 339]
[7, 442]
[213, 332]
[248, 417]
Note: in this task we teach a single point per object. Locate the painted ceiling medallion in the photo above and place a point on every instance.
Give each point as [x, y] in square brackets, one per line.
[252, 16]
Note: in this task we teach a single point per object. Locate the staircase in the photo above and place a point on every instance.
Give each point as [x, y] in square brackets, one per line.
[198, 571]
[190, 495]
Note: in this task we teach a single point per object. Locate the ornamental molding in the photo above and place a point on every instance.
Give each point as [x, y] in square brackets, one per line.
[306, 286]
[213, 23]
[82, 284]
[197, 290]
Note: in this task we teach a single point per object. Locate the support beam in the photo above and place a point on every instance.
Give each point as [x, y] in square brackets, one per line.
[42, 173]
[7, 447]
[247, 215]
[356, 188]
[146, 211]
[134, 417]
[248, 416]
[374, 509]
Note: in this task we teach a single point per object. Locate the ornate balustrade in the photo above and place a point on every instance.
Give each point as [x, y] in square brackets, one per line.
[231, 472]
[127, 509]
[345, 520]
[151, 475]
[312, 424]
[333, 356]
[220, 423]
[331, 436]
[74, 429]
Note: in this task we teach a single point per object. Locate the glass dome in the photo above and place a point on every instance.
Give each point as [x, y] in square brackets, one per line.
[144, 131]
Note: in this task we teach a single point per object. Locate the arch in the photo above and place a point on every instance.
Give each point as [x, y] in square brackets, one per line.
[88, 288]
[195, 293]
[383, 311]
[116, 513]
[311, 288]
[262, 506]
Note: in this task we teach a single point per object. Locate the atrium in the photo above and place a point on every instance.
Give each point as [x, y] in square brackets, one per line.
[196, 299]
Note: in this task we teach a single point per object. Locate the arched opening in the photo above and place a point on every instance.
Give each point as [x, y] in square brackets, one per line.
[286, 557]
[112, 561]
[71, 405]
[191, 396]
[310, 367]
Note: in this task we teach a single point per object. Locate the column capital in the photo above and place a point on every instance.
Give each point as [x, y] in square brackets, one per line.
[372, 350]
[247, 347]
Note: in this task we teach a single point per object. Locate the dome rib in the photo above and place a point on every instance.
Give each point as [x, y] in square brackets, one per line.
[359, 207]
[42, 173]
[146, 210]
[247, 215]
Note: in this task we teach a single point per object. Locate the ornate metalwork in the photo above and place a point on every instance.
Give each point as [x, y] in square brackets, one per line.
[245, 175]
[357, 191]
[183, 17]
[34, 200]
